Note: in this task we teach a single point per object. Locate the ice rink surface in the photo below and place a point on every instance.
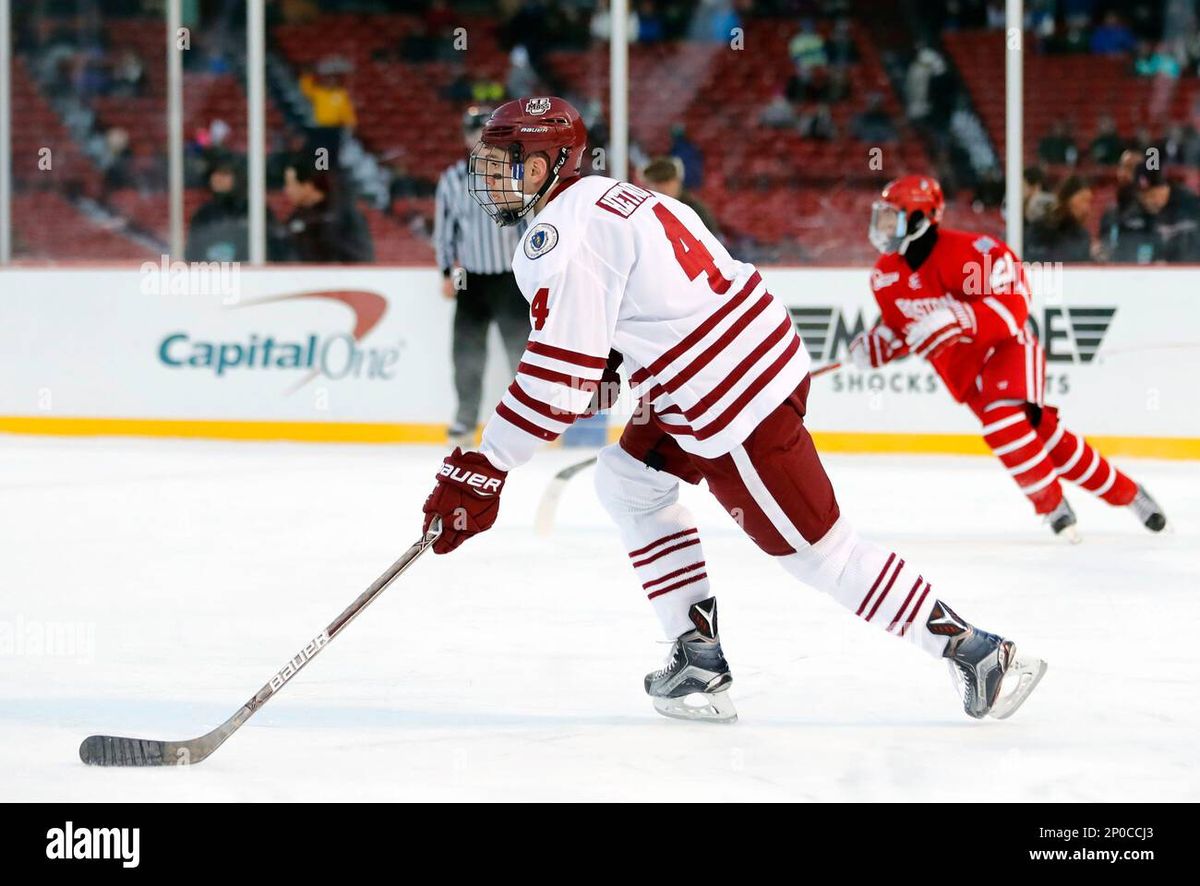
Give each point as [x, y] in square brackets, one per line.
[185, 573]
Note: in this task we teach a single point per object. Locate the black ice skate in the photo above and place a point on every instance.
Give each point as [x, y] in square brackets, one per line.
[694, 683]
[990, 677]
[1148, 511]
[1062, 521]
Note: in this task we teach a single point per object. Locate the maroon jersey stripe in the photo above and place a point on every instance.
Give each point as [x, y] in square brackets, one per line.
[706, 403]
[689, 340]
[735, 408]
[541, 406]
[585, 360]
[553, 375]
[524, 424]
[709, 354]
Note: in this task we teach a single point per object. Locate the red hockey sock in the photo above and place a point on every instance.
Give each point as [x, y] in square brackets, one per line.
[1008, 431]
[1081, 464]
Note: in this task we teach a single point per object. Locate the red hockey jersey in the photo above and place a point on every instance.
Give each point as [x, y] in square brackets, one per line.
[966, 267]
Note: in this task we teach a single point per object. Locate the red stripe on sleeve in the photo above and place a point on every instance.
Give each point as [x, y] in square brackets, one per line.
[585, 360]
[524, 424]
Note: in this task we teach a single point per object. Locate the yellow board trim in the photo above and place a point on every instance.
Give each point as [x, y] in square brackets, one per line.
[366, 432]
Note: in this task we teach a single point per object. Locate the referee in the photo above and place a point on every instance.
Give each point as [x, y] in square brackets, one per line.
[475, 256]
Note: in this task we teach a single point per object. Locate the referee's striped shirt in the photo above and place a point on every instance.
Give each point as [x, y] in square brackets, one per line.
[463, 234]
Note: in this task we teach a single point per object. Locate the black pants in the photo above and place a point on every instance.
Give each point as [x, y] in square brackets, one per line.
[487, 298]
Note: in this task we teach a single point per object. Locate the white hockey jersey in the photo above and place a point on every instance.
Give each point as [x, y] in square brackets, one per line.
[607, 264]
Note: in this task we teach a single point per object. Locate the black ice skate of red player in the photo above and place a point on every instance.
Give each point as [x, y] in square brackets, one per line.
[961, 300]
[722, 380]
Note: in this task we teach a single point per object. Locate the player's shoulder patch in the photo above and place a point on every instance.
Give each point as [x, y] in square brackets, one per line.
[541, 238]
[984, 244]
[623, 199]
[881, 279]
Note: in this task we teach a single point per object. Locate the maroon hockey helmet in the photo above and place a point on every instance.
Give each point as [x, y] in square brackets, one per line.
[515, 132]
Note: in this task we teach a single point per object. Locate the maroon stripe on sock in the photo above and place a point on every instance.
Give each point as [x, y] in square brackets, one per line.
[656, 543]
[684, 583]
[664, 552]
[882, 572]
[670, 575]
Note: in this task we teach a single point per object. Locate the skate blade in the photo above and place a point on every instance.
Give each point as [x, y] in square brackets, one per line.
[1019, 681]
[1071, 535]
[708, 707]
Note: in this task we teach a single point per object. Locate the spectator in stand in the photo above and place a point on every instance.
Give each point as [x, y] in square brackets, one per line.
[651, 28]
[1037, 199]
[1107, 146]
[1157, 63]
[1127, 167]
[807, 47]
[1161, 225]
[779, 113]
[665, 175]
[325, 89]
[927, 68]
[324, 225]
[1180, 145]
[989, 192]
[522, 79]
[818, 124]
[1062, 234]
[689, 155]
[600, 26]
[874, 124]
[841, 49]
[116, 160]
[1057, 147]
[1112, 37]
[220, 230]
[1074, 37]
[128, 75]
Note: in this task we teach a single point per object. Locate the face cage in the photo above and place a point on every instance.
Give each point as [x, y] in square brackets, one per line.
[509, 174]
[895, 240]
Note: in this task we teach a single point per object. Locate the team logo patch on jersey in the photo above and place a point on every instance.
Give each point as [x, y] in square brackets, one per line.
[541, 239]
[880, 280]
[537, 106]
[914, 282]
[984, 244]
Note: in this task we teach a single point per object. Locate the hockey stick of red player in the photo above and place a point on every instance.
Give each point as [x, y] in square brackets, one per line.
[111, 750]
[544, 521]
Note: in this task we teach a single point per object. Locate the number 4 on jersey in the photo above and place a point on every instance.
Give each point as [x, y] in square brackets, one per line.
[539, 308]
[690, 252]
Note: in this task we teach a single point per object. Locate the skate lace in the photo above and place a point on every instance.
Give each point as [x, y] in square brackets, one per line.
[672, 655]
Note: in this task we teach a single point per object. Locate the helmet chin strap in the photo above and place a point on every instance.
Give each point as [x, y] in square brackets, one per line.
[518, 177]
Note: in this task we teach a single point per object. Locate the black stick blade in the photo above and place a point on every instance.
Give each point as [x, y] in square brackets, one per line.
[110, 750]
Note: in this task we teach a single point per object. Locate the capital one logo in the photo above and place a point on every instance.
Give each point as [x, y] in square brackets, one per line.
[1069, 335]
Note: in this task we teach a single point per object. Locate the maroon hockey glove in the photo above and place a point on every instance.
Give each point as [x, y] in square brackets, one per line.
[466, 497]
[940, 328]
[870, 350]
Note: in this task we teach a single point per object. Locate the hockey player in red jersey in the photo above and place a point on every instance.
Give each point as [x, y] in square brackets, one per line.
[717, 365]
[961, 301]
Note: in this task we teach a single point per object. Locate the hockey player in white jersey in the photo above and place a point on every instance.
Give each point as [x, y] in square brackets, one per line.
[723, 380]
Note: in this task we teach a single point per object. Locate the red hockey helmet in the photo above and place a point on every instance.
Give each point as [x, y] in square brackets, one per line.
[515, 132]
[904, 211]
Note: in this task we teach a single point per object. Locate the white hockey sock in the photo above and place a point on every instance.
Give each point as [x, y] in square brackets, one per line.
[659, 534]
[873, 582]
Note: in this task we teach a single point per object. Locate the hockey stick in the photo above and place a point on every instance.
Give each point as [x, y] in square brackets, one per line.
[111, 750]
[544, 521]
